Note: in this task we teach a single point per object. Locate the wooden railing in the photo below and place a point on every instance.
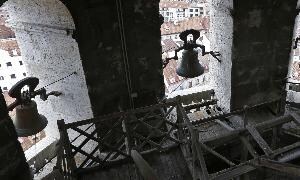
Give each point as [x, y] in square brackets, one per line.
[159, 128]
[143, 130]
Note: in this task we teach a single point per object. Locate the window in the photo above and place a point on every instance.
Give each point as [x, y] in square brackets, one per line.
[24, 74]
[191, 15]
[8, 64]
[5, 88]
[201, 8]
[21, 63]
[196, 15]
[196, 10]
[191, 10]
[167, 13]
[13, 76]
[1, 78]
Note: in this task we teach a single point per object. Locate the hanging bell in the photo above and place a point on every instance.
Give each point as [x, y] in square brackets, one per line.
[189, 66]
[27, 119]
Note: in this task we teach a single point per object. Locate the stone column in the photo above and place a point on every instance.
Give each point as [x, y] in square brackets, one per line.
[221, 34]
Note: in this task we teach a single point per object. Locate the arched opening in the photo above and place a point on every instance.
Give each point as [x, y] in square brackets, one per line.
[293, 88]
[43, 31]
[179, 16]
[214, 22]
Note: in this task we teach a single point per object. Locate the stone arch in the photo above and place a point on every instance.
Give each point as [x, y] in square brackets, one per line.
[44, 29]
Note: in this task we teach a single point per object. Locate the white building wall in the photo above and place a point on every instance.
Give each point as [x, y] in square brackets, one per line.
[6, 71]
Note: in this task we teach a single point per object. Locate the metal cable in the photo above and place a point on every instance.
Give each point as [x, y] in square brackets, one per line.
[58, 80]
[124, 50]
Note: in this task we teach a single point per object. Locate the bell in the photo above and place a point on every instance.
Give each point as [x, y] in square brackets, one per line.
[189, 66]
[27, 119]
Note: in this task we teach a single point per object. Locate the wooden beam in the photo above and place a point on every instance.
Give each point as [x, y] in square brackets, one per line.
[208, 149]
[284, 168]
[260, 141]
[146, 171]
[223, 138]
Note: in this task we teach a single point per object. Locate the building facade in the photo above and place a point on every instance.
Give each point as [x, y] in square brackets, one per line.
[12, 68]
[182, 10]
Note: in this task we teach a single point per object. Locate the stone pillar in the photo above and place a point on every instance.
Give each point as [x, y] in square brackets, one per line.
[221, 34]
[43, 30]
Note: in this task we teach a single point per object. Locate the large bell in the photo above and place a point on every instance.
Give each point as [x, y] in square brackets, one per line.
[27, 119]
[189, 66]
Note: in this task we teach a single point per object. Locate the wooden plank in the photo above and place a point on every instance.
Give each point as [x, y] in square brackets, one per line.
[71, 165]
[144, 168]
[260, 141]
[222, 138]
[195, 141]
[232, 172]
[296, 119]
[284, 168]
[248, 146]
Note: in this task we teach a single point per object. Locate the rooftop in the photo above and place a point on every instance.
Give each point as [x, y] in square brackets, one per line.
[174, 4]
[197, 23]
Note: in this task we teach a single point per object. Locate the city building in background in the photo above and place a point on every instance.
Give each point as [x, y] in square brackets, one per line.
[12, 68]
[179, 16]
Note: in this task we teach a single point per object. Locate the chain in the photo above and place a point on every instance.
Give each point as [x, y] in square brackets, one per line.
[59, 80]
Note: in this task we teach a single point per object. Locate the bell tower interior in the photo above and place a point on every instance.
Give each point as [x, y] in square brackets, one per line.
[150, 89]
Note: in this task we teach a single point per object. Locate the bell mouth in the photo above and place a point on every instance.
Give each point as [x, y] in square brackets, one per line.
[33, 129]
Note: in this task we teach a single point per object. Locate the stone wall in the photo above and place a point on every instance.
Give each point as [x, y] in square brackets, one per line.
[263, 32]
[221, 41]
[108, 75]
[43, 30]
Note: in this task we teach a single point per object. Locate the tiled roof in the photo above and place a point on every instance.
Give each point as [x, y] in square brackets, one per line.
[197, 23]
[169, 45]
[174, 4]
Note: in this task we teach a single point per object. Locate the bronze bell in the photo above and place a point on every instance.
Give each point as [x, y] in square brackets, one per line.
[189, 66]
[27, 119]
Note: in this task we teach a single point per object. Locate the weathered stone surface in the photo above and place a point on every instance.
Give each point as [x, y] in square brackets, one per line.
[221, 40]
[98, 36]
[261, 47]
